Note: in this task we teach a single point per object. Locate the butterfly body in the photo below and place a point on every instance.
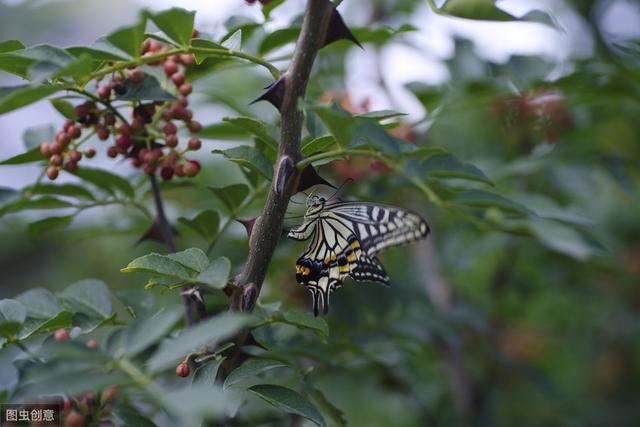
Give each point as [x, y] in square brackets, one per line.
[345, 238]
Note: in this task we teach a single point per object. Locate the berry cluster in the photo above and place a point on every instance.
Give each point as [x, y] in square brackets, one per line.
[149, 137]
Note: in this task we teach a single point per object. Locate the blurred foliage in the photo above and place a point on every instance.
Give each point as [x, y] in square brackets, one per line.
[520, 309]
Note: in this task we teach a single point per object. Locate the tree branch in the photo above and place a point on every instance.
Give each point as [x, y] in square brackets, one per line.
[268, 226]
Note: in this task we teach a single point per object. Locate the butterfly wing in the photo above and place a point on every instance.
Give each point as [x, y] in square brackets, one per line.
[378, 227]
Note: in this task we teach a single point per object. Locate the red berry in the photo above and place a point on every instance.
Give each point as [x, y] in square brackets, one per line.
[55, 160]
[171, 141]
[191, 168]
[178, 79]
[185, 89]
[137, 124]
[154, 45]
[61, 334]
[169, 128]
[82, 111]
[170, 67]
[92, 344]
[124, 129]
[75, 419]
[109, 118]
[75, 155]
[136, 75]
[74, 132]
[183, 370]
[63, 139]
[56, 148]
[194, 144]
[188, 59]
[194, 126]
[166, 173]
[149, 168]
[194, 33]
[45, 149]
[179, 170]
[183, 100]
[90, 153]
[123, 142]
[67, 125]
[104, 91]
[113, 151]
[103, 133]
[71, 166]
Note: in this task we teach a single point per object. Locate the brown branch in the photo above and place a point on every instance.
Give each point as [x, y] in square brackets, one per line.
[268, 227]
[167, 237]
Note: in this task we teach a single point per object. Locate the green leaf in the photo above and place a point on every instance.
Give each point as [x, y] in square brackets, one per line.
[218, 52]
[16, 97]
[192, 258]
[233, 41]
[485, 200]
[318, 145]
[249, 157]
[44, 312]
[205, 374]
[69, 190]
[36, 135]
[255, 127]
[232, 195]
[338, 121]
[224, 131]
[46, 225]
[149, 89]
[129, 39]
[10, 46]
[107, 181]
[380, 115]
[212, 330]
[485, 10]
[303, 319]
[269, 7]
[277, 39]
[205, 223]
[289, 401]
[64, 107]
[33, 155]
[176, 23]
[144, 333]
[158, 264]
[90, 297]
[250, 369]
[445, 165]
[328, 408]
[564, 239]
[12, 315]
[126, 416]
[28, 204]
[375, 136]
[216, 275]
[15, 64]
[101, 52]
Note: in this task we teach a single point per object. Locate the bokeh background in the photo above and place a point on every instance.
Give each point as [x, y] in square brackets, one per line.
[482, 326]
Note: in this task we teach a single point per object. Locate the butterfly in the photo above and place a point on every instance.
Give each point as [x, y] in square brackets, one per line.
[345, 238]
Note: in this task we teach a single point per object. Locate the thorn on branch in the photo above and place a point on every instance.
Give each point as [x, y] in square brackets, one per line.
[155, 232]
[338, 30]
[274, 93]
[310, 177]
[248, 225]
[284, 172]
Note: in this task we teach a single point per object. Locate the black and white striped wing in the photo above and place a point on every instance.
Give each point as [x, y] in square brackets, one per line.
[378, 227]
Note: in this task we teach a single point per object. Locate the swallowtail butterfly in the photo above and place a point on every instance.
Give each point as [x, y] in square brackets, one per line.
[345, 238]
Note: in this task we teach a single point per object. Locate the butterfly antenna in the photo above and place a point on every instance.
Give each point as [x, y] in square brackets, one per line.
[335, 193]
